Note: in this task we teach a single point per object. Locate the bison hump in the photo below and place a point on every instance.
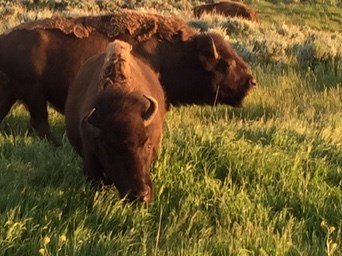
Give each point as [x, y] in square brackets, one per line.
[140, 26]
[67, 25]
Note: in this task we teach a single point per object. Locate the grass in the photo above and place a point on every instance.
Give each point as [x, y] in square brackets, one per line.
[262, 180]
[265, 179]
[317, 16]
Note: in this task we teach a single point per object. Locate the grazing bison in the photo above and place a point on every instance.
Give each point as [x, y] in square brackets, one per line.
[40, 65]
[40, 59]
[228, 9]
[114, 117]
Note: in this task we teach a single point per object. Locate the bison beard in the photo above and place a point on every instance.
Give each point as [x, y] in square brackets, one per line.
[114, 117]
[39, 60]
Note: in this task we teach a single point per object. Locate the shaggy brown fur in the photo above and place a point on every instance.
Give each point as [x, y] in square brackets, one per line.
[140, 26]
[114, 118]
[40, 60]
[228, 9]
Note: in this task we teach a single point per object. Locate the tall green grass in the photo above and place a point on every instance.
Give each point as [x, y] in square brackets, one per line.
[262, 180]
[265, 179]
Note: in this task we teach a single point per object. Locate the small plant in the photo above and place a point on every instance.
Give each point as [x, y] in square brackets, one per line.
[331, 246]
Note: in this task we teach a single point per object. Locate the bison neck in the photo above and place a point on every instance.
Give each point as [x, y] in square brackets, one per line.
[182, 87]
[183, 77]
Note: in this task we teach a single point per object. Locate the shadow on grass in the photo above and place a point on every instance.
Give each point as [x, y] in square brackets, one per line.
[253, 113]
[322, 75]
[257, 136]
[208, 114]
[41, 180]
[18, 125]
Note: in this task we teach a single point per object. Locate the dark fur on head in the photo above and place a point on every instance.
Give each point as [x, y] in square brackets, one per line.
[123, 142]
[120, 111]
[233, 87]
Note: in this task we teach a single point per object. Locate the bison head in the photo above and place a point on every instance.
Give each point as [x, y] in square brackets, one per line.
[122, 132]
[230, 76]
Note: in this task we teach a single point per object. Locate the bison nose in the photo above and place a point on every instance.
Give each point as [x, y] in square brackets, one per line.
[143, 195]
[252, 82]
[146, 195]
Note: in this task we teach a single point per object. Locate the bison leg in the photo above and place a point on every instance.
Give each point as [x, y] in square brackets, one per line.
[6, 102]
[39, 116]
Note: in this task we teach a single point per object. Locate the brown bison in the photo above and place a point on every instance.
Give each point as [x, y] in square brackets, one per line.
[114, 117]
[39, 60]
[228, 9]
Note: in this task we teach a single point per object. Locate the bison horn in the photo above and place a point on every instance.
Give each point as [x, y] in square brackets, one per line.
[208, 54]
[88, 124]
[213, 48]
[151, 112]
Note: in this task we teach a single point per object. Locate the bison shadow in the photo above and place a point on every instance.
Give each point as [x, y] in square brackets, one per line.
[247, 113]
[41, 163]
[17, 124]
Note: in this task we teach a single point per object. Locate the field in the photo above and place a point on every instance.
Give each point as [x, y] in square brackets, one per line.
[265, 179]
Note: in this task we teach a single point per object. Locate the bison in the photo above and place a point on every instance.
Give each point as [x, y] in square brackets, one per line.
[114, 117]
[40, 59]
[228, 9]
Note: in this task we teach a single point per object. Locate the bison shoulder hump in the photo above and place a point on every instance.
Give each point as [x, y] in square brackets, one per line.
[67, 25]
[141, 26]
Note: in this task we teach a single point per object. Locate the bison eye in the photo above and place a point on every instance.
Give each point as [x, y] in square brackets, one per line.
[149, 146]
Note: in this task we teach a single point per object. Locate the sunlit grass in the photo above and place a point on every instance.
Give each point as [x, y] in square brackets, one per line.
[263, 179]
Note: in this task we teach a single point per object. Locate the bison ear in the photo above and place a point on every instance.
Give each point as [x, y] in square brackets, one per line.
[88, 123]
[207, 52]
[151, 110]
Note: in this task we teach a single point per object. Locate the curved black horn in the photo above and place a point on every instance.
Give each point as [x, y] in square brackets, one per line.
[88, 125]
[151, 112]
